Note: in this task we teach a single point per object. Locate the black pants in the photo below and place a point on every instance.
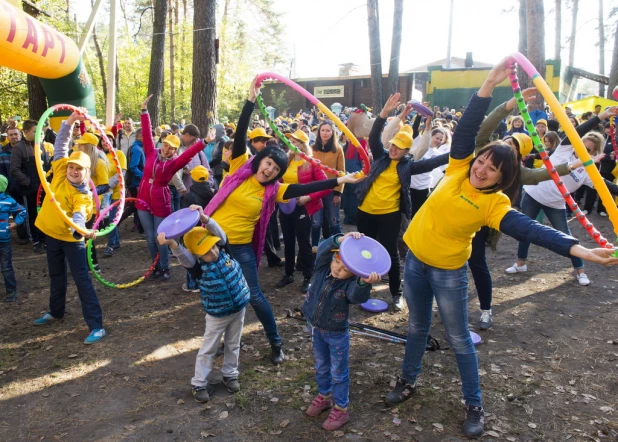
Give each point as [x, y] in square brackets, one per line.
[270, 244]
[418, 196]
[130, 209]
[296, 227]
[591, 195]
[29, 201]
[480, 270]
[385, 230]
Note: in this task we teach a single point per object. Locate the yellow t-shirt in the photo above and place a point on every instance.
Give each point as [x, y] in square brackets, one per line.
[385, 192]
[291, 174]
[122, 159]
[100, 176]
[71, 200]
[441, 232]
[241, 210]
[49, 148]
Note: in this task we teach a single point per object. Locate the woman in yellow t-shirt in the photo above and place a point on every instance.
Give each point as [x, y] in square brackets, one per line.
[113, 238]
[244, 204]
[440, 235]
[63, 244]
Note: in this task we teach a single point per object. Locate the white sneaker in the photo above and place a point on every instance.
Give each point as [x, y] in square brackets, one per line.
[187, 289]
[602, 213]
[585, 212]
[517, 269]
[582, 278]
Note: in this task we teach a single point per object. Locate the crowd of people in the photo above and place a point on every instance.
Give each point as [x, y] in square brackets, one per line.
[439, 190]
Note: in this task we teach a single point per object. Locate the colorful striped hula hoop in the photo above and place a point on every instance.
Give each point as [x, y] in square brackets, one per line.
[93, 189]
[342, 127]
[48, 192]
[89, 245]
[578, 145]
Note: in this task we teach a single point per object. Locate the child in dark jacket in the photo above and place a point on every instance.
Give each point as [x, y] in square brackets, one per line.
[224, 296]
[326, 308]
[8, 207]
[201, 192]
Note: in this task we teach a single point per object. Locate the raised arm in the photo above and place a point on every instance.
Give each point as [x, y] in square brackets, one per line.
[295, 190]
[147, 140]
[61, 145]
[240, 147]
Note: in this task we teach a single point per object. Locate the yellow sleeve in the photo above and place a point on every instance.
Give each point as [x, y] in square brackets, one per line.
[615, 171]
[455, 166]
[237, 162]
[498, 210]
[122, 159]
[83, 203]
[280, 192]
[101, 175]
[59, 168]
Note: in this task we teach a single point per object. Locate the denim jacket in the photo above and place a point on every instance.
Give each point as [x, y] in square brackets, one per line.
[9, 206]
[327, 303]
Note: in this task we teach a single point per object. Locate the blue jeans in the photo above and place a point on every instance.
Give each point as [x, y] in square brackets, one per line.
[6, 263]
[243, 253]
[58, 254]
[332, 214]
[450, 287]
[150, 223]
[175, 198]
[331, 350]
[557, 218]
[113, 238]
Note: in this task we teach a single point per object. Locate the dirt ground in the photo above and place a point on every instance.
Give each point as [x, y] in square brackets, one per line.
[549, 366]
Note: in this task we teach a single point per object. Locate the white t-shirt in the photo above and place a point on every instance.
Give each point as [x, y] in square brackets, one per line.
[547, 192]
[438, 172]
[424, 180]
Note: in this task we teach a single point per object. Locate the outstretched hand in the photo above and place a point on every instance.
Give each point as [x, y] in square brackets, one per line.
[351, 178]
[75, 116]
[390, 105]
[145, 102]
[405, 112]
[601, 256]
[610, 112]
[254, 90]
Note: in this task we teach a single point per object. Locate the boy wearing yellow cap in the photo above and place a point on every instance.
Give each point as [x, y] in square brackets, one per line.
[225, 295]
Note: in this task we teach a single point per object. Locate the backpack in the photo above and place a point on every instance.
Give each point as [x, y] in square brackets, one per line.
[128, 176]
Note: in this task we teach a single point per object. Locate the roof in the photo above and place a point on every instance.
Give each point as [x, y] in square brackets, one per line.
[338, 78]
[456, 62]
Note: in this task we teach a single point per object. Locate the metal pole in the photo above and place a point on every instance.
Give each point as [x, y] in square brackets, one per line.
[89, 25]
[111, 66]
[450, 37]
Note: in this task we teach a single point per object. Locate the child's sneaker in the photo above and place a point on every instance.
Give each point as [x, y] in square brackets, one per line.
[95, 336]
[11, 296]
[45, 319]
[319, 404]
[232, 384]
[402, 392]
[202, 394]
[336, 419]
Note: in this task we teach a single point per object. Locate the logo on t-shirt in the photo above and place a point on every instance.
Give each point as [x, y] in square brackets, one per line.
[469, 198]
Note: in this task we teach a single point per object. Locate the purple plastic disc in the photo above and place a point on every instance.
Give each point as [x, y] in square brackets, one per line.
[179, 223]
[374, 305]
[423, 110]
[476, 339]
[288, 207]
[365, 255]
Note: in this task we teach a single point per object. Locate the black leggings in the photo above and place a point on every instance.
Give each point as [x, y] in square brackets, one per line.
[480, 270]
[130, 209]
[385, 230]
[296, 227]
[418, 197]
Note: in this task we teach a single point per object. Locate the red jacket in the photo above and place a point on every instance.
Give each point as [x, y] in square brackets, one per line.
[308, 173]
[153, 188]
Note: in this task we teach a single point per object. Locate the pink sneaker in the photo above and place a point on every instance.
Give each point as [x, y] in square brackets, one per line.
[336, 419]
[319, 404]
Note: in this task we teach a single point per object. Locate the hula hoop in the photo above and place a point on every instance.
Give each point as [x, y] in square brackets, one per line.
[93, 188]
[342, 127]
[89, 252]
[578, 145]
[45, 184]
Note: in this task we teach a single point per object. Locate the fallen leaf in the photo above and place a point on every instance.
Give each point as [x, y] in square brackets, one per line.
[49, 347]
[418, 428]
[492, 434]
[274, 400]
[274, 433]
[531, 425]
[223, 415]
[74, 355]
[205, 434]
[45, 395]
[74, 394]
[338, 434]
[180, 402]
[126, 378]
[438, 427]
[284, 423]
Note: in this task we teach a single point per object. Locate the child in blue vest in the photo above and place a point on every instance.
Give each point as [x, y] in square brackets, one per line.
[327, 310]
[224, 296]
[8, 207]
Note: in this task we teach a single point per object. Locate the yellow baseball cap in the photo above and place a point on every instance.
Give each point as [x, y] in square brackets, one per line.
[172, 140]
[402, 140]
[524, 142]
[299, 135]
[258, 132]
[542, 121]
[80, 158]
[231, 125]
[458, 114]
[200, 174]
[407, 129]
[88, 138]
[199, 241]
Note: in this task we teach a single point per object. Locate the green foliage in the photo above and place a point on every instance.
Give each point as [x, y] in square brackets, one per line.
[278, 101]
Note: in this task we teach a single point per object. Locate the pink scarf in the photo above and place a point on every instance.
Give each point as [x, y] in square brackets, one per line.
[230, 184]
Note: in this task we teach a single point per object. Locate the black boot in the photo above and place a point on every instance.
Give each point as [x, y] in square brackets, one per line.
[277, 356]
[287, 279]
[306, 284]
[474, 425]
[402, 392]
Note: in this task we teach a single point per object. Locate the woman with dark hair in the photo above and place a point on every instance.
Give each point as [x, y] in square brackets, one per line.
[246, 201]
[440, 236]
[327, 149]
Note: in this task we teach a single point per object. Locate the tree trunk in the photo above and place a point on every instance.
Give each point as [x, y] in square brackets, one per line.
[522, 47]
[223, 34]
[37, 101]
[182, 45]
[97, 48]
[172, 88]
[117, 85]
[204, 94]
[155, 79]
[535, 21]
[393, 69]
[375, 55]
[573, 32]
[558, 31]
[601, 48]
[613, 71]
